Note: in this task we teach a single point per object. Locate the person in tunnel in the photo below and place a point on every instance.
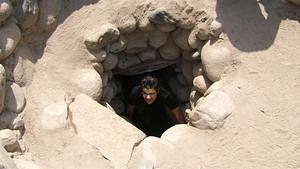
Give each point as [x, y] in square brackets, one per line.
[153, 109]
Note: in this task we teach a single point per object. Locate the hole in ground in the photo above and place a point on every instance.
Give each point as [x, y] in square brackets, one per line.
[153, 119]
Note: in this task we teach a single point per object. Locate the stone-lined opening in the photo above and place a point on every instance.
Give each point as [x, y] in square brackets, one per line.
[158, 35]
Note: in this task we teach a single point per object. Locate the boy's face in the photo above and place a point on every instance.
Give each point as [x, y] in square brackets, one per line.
[149, 95]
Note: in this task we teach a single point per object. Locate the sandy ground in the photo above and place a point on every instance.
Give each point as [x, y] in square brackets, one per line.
[263, 132]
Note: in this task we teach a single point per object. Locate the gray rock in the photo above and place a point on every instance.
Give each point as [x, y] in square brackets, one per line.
[10, 36]
[124, 20]
[215, 58]
[180, 37]
[157, 38]
[110, 62]
[114, 137]
[169, 51]
[161, 16]
[211, 111]
[2, 87]
[148, 55]
[14, 99]
[54, 116]
[101, 36]
[118, 46]
[5, 9]
[126, 61]
[136, 42]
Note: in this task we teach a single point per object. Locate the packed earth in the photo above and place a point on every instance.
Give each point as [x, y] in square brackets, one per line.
[66, 68]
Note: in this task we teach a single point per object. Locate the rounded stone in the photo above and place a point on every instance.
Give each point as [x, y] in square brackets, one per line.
[126, 61]
[157, 38]
[10, 36]
[54, 116]
[14, 99]
[202, 31]
[169, 51]
[201, 83]
[215, 58]
[110, 62]
[118, 46]
[180, 37]
[5, 9]
[215, 28]
[89, 83]
[148, 55]
[136, 41]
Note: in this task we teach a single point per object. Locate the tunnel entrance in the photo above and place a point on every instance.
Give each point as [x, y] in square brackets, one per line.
[168, 84]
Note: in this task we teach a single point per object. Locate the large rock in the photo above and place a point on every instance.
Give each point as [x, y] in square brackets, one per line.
[10, 36]
[201, 83]
[124, 20]
[215, 58]
[180, 37]
[157, 38]
[9, 139]
[148, 55]
[158, 153]
[101, 36]
[136, 41]
[14, 99]
[89, 82]
[2, 87]
[169, 51]
[211, 111]
[54, 116]
[105, 130]
[5, 161]
[49, 14]
[5, 9]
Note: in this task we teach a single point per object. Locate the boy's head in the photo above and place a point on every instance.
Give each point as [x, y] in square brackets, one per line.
[150, 89]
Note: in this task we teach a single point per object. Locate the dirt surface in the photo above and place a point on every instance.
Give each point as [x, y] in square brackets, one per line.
[264, 82]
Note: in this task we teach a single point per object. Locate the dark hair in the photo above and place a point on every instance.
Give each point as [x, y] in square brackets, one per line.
[149, 82]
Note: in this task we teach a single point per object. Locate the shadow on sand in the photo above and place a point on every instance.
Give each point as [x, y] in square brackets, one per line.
[252, 25]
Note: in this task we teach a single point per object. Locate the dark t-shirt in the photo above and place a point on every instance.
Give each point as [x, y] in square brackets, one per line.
[153, 119]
